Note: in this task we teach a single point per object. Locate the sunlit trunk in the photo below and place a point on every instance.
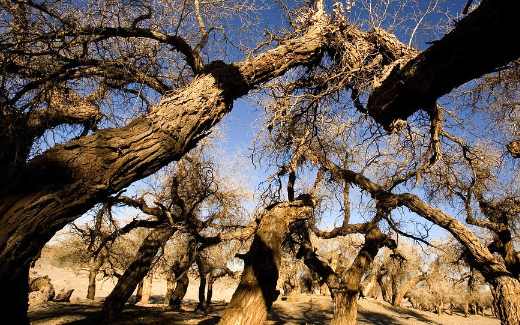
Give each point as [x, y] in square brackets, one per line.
[137, 270]
[345, 307]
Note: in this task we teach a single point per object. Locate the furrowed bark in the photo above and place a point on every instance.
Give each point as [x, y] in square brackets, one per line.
[67, 180]
[479, 44]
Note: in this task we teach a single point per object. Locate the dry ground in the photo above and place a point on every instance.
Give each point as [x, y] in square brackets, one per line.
[310, 309]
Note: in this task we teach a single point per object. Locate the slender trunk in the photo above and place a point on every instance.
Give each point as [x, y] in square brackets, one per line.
[202, 285]
[398, 297]
[466, 308]
[345, 307]
[209, 295]
[367, 286]
[180, 291]
[386, 290]
[95, 264]
[137, 270]
[177, 278]
[170, 287]
[139, 292]
[256, 291]
[440, 307]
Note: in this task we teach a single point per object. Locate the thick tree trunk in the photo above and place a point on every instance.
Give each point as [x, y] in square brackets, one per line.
[256, 291]
[14, 297]
[66, 181]
[467, 52]
[345, 307]
[507, 295]
[137, 270]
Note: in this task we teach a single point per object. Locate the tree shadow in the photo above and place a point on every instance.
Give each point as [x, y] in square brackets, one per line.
[376, 318]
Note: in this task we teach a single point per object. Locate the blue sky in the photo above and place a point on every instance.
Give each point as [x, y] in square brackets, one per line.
[241, 126]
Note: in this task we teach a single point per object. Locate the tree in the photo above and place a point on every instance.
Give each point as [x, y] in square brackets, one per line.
[256, 291]
[62, 62]
[344, 286]
[192, 199]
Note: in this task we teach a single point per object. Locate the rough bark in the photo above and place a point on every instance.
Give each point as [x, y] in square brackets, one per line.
[493, 269]
[368, 285]
[507, 295]
[345, 308]
[256, 291]
[344, 290]
[180, 291]
[67, 180]
[115, 302]
[467, 52]
[177, 278]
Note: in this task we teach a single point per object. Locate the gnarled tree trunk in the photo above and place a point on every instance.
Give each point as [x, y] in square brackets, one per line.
[256, 291]
[115, 302]
[507, 295]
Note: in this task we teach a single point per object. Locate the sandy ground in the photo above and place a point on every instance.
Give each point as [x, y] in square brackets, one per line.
[310, 309]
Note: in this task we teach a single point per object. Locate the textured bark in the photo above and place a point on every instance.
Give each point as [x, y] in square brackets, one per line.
[344, 290]
[256, 291]
[115, 302]
[177, 278]
[507, 294]
[209, 294]
[368, 285]
[475, 47]
[493, 269]
[67, 180]
[56, 187]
